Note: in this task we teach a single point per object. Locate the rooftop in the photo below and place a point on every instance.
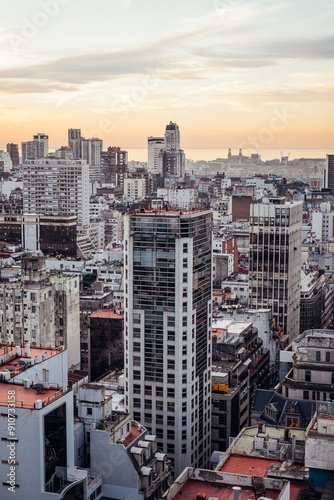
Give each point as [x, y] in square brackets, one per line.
[192, 488]
[261, 467]
[107, 314]
[26, 398]
[13, 361]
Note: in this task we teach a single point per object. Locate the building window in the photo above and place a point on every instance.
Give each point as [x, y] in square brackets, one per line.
[136, 375]
[89, 411]
[170, 392]
[170, 420]
[148, 404]
[170, 364]
[317, 356]
[148, 390]
[159, 419]
[136, 318]
[184, 448]
[307, 375]
[136, 389]
[159, 405]
[159, 391]
[170, 378]
[332, 378]
[306, 395]
[185, 277]
[170, 406]
[136, 403]
[170, 447]
[170, 321]
[171, 336]
[328, 357]
[171, 350]
[170, 434]
[185, 247]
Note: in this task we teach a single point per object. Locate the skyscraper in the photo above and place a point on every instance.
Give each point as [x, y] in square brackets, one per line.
[155, 145]
[172, 159]
[168, 329]
[275, 261]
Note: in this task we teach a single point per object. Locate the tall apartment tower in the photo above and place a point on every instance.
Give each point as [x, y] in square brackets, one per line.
[155, 145]
[329, 172]
[172, 158]
[36, 149]
[75, 142]
[275, 261]
[13, 151]
[91, 151]
[57, 187]
[168, 274]
[172, 136]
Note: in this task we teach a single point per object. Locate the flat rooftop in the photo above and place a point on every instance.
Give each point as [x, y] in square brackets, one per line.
[218, 491]
[9, 360]
[259, 467]
[106, 314]
[26, 398]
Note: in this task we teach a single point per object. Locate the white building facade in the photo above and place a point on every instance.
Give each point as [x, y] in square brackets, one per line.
[155, 145]
[57, 187]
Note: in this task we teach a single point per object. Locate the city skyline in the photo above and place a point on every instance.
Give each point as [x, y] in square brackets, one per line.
[228, 72]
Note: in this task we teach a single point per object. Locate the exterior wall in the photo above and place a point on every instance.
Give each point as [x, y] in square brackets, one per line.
[68, 317]
[30, 449]
[120, 478]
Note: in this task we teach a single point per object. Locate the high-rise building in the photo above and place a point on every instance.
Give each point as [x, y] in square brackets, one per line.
[75, 142]
[329, 172]
[172, 158]
[36, 149]
[155, 145]
[114, 163]
[13, 151]
[172, 136]
[275, 261]
[57, 187]
[168, 275]
[91, 151]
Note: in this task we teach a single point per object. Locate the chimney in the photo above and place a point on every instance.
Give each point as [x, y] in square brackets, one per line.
[236, 492]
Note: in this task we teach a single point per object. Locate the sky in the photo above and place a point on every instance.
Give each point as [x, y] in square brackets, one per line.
[231, 73]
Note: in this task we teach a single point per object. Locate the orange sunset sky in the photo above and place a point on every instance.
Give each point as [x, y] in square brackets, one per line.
[229, 72]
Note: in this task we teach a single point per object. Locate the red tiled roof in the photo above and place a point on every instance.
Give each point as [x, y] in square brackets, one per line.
[107, 314]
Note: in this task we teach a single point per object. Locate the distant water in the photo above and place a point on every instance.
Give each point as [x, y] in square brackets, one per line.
[209, 154]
